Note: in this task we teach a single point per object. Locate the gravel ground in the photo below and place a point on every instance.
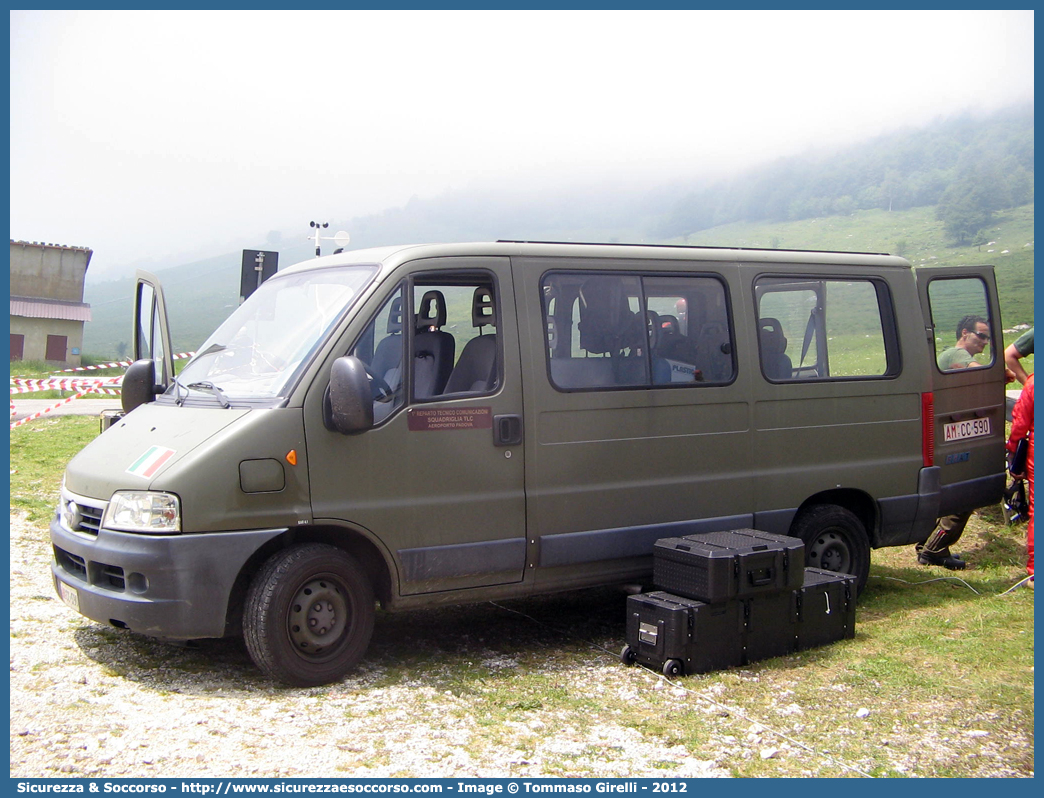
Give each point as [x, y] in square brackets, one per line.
[90, 701]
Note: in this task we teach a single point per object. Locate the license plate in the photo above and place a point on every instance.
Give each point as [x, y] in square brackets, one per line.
[69, 595]
[961, 430]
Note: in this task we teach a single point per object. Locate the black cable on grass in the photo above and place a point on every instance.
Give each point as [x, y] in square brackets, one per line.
[927, 581]
[1018, 584]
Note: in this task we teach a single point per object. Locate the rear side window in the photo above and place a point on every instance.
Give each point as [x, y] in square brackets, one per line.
[817, 329]
[961, 318]
[608, 330]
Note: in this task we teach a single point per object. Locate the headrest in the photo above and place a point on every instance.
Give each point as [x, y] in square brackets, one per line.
[483, 309]
[669, 325]
[432, 310]
[606, 320]
[773, 341]
[395, 316]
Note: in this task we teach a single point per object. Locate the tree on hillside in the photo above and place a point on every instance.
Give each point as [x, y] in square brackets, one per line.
[965, 209]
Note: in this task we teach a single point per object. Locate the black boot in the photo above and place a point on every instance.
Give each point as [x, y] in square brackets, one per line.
[936, 550]
[943, 557]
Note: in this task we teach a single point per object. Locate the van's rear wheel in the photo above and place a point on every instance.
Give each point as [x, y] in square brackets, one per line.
[835, 540]
[308, 615]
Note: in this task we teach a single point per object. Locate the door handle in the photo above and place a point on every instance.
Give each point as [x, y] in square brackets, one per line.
[507, 430]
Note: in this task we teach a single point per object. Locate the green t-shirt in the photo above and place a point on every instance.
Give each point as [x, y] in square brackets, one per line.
[1024, 343]
[954, 358]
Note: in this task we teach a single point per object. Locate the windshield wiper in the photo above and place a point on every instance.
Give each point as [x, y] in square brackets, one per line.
[210, 387]
[177, 391]
[211, 350]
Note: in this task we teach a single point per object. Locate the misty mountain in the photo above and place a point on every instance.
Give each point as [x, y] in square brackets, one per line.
[902, 170]
[946, 164]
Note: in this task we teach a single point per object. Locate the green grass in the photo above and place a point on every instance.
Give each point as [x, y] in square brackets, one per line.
[39, 453]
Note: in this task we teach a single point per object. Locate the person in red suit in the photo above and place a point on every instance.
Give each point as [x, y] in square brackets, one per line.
[1022, 427]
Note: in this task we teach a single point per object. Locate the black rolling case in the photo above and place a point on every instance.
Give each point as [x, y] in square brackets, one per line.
[824, 608]
[718, 566]
[676, 635]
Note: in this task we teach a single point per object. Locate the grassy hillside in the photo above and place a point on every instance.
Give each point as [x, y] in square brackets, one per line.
[201, 295]
[915, 235]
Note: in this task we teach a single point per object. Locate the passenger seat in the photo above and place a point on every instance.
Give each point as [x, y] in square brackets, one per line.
[476, 371]
[774, 360]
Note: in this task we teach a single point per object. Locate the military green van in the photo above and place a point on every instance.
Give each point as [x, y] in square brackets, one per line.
[464, 422]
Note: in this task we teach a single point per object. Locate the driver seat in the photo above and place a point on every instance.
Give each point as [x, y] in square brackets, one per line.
[433, 349]
[387, 358]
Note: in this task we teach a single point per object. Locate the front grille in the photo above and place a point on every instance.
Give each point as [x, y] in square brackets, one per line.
[110, 577]
[91, 519]
[83, 515]
[80, 514]
[71, 563]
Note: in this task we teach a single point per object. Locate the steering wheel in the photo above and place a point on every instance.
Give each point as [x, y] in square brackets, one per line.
[382, 390]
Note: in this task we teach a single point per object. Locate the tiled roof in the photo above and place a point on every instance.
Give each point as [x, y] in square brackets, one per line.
[49, 309]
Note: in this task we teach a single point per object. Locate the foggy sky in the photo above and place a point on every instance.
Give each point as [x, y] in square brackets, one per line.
[158, 133]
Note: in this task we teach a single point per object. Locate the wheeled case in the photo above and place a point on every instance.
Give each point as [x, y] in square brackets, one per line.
[715, 567]
[824, 607]
[676, 635]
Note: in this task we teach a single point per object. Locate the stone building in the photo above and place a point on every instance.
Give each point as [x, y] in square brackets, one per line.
[47, 307]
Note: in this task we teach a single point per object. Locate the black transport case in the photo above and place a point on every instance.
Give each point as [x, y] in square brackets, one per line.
[824, 608]
[674, 634]
[769, 626]
[715, 567]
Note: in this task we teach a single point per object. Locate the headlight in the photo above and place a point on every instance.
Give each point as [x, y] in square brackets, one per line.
[143, 511]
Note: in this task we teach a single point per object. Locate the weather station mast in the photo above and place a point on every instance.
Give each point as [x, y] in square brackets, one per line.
[341, 239]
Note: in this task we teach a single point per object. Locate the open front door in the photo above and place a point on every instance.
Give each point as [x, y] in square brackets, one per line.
[151, 334]
[963, 325]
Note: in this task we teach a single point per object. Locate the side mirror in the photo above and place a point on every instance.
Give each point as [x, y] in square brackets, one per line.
[139, 384]
[351, 399]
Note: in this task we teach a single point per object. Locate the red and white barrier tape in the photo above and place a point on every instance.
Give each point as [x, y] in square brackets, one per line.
[83, 385]
[19, 385]
[121, 364]
[35, 416]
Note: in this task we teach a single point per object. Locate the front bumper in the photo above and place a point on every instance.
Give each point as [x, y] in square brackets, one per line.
[176, 586]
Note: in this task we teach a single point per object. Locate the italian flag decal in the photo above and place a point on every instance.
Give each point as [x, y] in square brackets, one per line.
[150, 462]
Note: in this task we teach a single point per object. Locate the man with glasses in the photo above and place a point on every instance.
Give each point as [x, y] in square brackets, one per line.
[973, 333]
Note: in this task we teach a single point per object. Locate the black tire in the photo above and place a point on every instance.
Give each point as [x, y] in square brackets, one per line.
[628, 656]
[672, 667]
[308, 615]
[835, 540]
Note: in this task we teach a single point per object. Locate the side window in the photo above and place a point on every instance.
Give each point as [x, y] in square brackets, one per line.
[381, 348]
[456, 349]
[812, 329]
[614, 330]
[961, 318]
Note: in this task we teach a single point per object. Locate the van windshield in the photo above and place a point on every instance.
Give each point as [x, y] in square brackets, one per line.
[259, 350]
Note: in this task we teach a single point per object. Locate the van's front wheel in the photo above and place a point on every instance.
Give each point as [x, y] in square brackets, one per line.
[308, 615]
[835, 540]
